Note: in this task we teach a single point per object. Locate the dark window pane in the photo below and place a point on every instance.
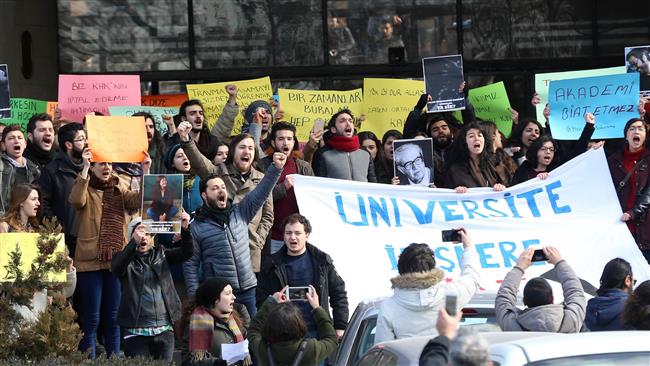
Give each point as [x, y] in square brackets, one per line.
[389, 31]
[231, 33]
[622, 26]
[127, 35]
[500, 29]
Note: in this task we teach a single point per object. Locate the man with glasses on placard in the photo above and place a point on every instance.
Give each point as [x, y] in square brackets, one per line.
[57, 179]
[411, 166]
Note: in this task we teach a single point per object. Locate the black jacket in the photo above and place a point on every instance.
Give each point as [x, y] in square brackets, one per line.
[436, 352]
[131, 275]
[56, 181]
[328, 284]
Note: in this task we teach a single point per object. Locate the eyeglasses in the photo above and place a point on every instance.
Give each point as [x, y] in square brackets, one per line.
[80, 139]
[636, 129]
[549, 149]
[411, 164]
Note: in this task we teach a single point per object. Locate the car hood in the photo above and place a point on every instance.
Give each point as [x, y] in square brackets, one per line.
[418, 291]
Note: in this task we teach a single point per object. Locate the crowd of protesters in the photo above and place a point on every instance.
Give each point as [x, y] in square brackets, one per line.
[243, 245]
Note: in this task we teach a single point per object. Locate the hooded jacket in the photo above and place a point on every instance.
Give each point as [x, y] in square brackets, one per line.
[417, 297]
[556, 318]
[605, 311]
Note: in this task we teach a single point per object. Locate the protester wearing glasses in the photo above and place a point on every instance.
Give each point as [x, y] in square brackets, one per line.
[411, 166]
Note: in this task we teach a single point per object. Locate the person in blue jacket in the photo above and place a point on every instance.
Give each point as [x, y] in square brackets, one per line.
[605, 311]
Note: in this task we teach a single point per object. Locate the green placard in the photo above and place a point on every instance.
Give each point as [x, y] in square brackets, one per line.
[491, 104]
[22, 109]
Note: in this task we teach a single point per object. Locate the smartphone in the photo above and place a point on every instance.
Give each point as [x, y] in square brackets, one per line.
[319, 125]
[298, 293]
[450, 235]
[450, 304]
[539, 256]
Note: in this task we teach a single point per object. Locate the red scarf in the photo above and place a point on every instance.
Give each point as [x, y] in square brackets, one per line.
[629, 159]
[342, 143]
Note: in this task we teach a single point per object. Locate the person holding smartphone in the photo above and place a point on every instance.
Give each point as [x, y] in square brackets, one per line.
[541, 315]
[420, 291]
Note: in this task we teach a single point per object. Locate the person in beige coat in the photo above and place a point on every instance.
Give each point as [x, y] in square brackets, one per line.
[102, 206]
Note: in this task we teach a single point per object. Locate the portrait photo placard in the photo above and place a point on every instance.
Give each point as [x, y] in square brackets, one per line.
[162, 202]
[413, 161]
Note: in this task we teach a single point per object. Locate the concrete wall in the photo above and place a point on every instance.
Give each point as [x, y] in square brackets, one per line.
[39, 17]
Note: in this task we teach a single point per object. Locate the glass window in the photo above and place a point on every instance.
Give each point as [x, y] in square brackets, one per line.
[129, 35]
[499, 29]
[621, 26]
[232, 33]
[389, 31]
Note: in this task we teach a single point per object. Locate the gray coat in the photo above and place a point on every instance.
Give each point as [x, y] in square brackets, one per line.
[557, 318]
[223, 251]
[356, 165]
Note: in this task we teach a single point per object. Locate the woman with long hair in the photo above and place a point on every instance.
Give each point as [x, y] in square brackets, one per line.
[214, 319]
[605, 311]
[523, 135]
[277, 333]
[23, 214]
[470, 163]
[541, 158]
[162, 201]
[384, 160]
[500, 155]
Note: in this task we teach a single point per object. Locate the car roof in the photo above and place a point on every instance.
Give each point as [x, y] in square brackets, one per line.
[575, 344]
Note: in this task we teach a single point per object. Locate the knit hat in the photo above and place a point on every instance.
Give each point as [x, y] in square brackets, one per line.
[250, 112]
[210, 291]
[132, 225]
[169, 157]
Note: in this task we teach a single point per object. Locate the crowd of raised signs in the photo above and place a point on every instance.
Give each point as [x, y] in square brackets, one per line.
[240, 275]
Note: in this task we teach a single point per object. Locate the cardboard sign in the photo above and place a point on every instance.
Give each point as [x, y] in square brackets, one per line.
[387, 103]
[117, 139]
[214, 97]
[303, 107]
[612, 99]
[27, 244]
[22, 109]
[162, 201]
[156, 113]
[164, 100]
[51, 109]
[542, 82]
[443, 77]
[83, 94]
[5, 104]
[491, 103]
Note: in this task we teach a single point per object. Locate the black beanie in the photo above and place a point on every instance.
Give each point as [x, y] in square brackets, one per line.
[169, 157]
[250, 111]
[210, 291]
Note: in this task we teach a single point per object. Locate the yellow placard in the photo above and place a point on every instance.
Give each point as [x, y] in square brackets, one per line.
[27, 242]
[117, 139]
[387, 103]
[214, 97]
[302, 107]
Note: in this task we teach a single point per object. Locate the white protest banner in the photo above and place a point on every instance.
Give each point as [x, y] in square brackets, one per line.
[364, 226]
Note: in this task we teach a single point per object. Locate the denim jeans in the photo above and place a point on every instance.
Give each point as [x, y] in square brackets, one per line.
[99, 294]
[247, 298]
[158, 347]
[155, 217]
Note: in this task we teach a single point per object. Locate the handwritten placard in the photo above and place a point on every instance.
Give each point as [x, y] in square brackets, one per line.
[302, 107]
[83, 94]
[22, 109]
[612, 99]
[117, 139]
[387, 103]
[542, 82]
[156, 113]
[164, 100]
[491, 104]
[214, 97]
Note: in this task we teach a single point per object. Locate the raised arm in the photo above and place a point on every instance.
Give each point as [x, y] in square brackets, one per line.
[222, 129]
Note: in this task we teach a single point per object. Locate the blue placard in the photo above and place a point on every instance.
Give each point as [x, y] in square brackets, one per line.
[612, 99]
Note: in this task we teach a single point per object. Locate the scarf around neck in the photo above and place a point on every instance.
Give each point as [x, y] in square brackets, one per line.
[220, 215]
[202, 330]
[111, 232]
[342, 143]
[34, 153]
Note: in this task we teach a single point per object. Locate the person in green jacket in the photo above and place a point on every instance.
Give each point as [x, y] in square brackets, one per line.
[277, 333]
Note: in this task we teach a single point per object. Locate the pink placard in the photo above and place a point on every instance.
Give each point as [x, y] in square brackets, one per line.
[83, 94]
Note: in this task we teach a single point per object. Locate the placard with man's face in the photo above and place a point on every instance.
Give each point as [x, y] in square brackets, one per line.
[414, 161]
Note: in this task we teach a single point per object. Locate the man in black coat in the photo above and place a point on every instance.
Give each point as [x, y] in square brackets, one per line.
[300, 264]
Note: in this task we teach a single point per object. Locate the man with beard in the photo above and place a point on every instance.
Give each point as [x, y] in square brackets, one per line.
[240, 178]
[40, 136]
[14, 167]
[342, 156]
[283, 136]
[58, 177]
[220, 233]
[156, 143]
[411, 166]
